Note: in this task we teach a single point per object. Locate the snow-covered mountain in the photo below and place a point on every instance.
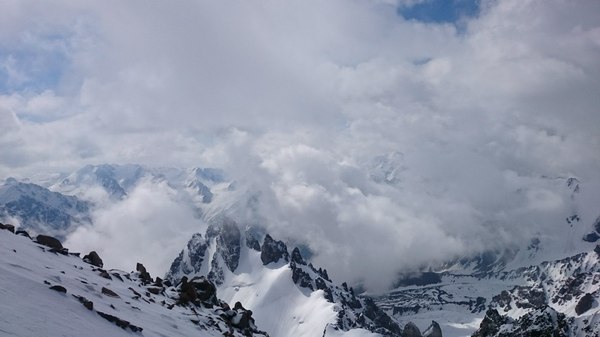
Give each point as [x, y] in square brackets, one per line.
[41, 210]
[47, 291]
[288, 295]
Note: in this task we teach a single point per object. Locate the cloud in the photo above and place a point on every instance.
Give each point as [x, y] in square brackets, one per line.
[150, 226]
[299, 100]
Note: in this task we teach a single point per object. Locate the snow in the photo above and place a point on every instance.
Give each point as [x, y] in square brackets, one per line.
[29, 308]
[278, 305]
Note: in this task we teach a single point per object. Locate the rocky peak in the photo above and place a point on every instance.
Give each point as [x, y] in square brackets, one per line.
[273, 251]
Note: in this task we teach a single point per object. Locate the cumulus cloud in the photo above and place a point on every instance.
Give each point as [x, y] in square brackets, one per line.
[304, 100]
[150, 226]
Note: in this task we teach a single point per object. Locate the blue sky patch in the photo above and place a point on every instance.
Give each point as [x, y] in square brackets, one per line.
[440, 11]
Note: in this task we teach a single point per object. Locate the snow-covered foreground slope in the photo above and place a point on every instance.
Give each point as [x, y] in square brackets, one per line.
[100, 302]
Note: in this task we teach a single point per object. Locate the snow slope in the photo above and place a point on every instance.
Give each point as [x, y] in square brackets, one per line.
[29, 308]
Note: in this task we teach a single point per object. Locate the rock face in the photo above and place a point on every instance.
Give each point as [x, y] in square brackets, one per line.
[273, 251]
[411, 330]
[531, 309]
[94, 259]
[584, 304]
[190, 259]
[433, 330]
[223, 248]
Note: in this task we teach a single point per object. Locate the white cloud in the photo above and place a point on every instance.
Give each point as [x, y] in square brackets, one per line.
[297, 98]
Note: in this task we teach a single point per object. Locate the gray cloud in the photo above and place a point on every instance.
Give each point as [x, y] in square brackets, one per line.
[297, 100]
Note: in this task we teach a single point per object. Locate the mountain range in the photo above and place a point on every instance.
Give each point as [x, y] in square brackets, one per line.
[548, 287]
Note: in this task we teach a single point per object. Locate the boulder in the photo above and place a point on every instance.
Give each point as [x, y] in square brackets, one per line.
[94, 259]
[7, 227]
[411, 330]
[109, 292]
[60, 289]
[584, 304]
[49, 241]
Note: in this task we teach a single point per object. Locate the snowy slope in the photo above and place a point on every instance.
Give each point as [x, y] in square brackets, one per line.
[30, 308]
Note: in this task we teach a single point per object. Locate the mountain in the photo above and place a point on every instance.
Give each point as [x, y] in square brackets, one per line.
[460, 292]
[556, 298]
[47, 291]
[288, 295]
[41, 210]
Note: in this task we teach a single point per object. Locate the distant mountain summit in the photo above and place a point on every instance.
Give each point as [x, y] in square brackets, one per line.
[41, 210]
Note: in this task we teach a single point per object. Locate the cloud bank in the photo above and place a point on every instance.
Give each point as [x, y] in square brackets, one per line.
[373, 137]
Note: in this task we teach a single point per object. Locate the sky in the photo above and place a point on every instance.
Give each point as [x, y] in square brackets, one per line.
[371, 128]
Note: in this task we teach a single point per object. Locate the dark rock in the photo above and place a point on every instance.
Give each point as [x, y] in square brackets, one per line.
[433, 330]
[597, 250]
[187, 292]
[297, 257]
[597, 225]
[49, 241]
[206, 291]
[22, 232]
[584, 304]
[118, 276]
[8, 227]
[105, 274]
[154, 290]
[144, 275]
[252, 242]
[109, 292]
[300, 277]
[591, 237]
[94, 259]
[491, 324]
[120, 322]
[411, 330]
[228, 237]
[273, 251]
[86, 303]
[158, 282]
[380, 318]
[60, 289]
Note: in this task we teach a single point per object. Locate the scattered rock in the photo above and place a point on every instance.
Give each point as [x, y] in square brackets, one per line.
[22, 232]
[109, 292]
[86, 303]
[94, 259]
[105, 274]
[60, 289]
[584, 304]
[49, 241]
[7, 227]
[120, 322]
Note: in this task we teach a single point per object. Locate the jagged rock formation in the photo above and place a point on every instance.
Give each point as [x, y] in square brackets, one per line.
[238, 260]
